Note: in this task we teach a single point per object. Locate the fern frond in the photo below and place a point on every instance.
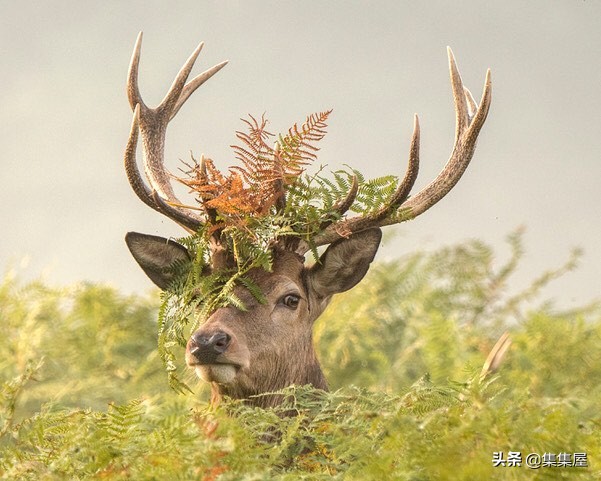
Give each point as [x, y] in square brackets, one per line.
[264, 200]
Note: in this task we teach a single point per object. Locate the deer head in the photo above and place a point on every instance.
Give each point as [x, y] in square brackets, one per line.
[268, 345]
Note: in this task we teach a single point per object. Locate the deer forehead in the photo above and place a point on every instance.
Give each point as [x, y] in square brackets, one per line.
[288, 273]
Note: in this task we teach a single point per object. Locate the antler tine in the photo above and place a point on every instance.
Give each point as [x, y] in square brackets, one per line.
[133, 90]
[469, 119]
[131, 167]
[152, 124]
[467, 130]
[211, 213]
[278, 183]
[462, 118]
[472, 106]
[404, 189]
[193, 84]
[343, 205]
[329, 231]
[152, 199]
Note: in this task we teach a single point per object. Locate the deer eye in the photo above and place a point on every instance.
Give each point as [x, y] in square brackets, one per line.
[290, 301]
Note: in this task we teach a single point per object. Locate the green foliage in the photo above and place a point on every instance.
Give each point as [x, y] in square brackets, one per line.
[389, 330]
[311, 200]
[95, 346]
[265, 201]
[83, 395]
[198, 291]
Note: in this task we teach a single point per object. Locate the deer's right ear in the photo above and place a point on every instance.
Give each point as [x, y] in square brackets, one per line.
[156, 256]
[345, 263]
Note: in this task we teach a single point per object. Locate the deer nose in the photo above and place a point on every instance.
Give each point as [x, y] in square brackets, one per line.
[205, 347]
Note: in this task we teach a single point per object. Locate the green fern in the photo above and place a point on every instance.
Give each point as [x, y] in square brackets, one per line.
[72, 418]
[9, 395]
[248, 234]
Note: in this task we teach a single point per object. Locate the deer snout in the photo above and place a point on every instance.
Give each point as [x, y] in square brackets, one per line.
[206, 347]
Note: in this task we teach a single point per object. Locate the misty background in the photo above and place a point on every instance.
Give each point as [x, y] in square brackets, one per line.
[64, 118]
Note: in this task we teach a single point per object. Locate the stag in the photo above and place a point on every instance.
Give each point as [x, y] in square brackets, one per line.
[269, 345]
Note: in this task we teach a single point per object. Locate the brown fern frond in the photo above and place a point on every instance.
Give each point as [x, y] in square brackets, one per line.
[203, 178]
[257, 132]
[233, 198]
[259, 182]
[298, 147]
[255, 155]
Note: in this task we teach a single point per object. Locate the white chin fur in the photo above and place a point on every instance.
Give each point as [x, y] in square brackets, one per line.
[219, 373]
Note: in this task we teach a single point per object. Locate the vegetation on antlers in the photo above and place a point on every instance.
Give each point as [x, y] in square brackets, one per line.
[270, 199]
[266, 202]
[246, 217]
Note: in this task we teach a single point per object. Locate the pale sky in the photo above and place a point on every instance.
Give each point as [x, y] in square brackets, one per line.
[64, 117]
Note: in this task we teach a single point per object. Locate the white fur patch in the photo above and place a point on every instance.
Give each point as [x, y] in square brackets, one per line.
[219, 373]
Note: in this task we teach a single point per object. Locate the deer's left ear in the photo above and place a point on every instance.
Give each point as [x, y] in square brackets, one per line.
[156, 256]
[345, 263]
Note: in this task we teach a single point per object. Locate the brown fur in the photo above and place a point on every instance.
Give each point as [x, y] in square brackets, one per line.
[270, 345]
[273, 343]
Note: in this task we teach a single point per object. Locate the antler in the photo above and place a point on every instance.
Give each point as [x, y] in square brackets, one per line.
[152, 123]
[469, 120]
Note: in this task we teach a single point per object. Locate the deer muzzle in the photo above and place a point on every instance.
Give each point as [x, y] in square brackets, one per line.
[207, 348]
[214, 355]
